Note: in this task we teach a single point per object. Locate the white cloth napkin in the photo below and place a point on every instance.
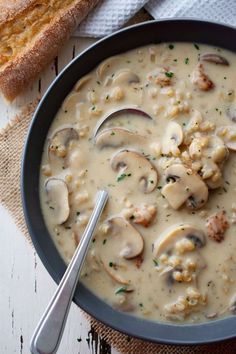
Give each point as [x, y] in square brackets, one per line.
[110, 15]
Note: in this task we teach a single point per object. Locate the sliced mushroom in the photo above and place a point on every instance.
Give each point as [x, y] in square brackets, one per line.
[117, 137]
[83, 81]
[214, 58]
[201, 80]
[71, 101]
[126, 76]
[58, 200]
[184, 186]
[131, 162]
[105, 66]
[133, 112]
[172, 138]
[228, 134]
[125, 243]
[59, 142]
[167, 240]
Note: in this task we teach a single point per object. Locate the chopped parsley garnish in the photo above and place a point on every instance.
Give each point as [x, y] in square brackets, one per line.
[94, 240]
[107, 97]
[196, 46]
[104, 241]
[98, 82]
[122, 176]
[155, 261]
[122, 289]
[111, 264]
[78, 213]
[186, 60]
[171, 46]
[169, 74]
[51, 208]
[141, 305]
[113, 133]
[93, 108]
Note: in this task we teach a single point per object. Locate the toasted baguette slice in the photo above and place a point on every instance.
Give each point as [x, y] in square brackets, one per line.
[31, 33]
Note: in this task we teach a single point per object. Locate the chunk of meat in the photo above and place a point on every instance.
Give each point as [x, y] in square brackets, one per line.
[144, 215]
[162, 80]
[216, 225]
[201, 80]
[139, 261]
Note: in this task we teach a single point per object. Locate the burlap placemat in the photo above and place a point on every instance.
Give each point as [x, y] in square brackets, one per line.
[12, 140]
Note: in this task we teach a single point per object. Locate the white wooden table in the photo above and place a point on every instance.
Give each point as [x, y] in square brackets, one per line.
[25, 285]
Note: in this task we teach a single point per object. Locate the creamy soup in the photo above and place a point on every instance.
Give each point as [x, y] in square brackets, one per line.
[156, 128]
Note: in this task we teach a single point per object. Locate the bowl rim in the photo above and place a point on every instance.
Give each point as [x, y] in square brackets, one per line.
[214, 327]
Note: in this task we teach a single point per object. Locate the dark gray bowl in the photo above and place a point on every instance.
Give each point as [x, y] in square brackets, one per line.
[135, 36]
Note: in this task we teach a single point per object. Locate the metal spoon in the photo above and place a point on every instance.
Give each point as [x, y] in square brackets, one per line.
[133, 111]
[48, 333]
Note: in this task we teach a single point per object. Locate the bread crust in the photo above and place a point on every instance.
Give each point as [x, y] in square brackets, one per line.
[20, 71]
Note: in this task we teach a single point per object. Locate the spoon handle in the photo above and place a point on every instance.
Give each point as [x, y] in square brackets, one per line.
[47, 335]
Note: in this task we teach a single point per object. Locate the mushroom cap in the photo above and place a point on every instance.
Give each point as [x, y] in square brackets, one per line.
[172, 138]
[105, 66]
[139, 167]
[60, 141]
[117, 137]
[115, 114]
[126, 237]
[125, 76]
[214, 58]
[184, 186]
[123, 243]
[169, 237]
[83, 81]
[58, 198]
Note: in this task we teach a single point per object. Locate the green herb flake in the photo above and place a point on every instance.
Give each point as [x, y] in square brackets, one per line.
[107, 97]
[169, 74]
[78, 213]
[122, 176]
[98, 82]
[93, 108]
[175, 60]
[113, 133]
[155, 261]
[51, 208]
[122, 289]
[171, 46]
[104, 241]
[111, 264]
[196, 46]
[140, 305]
[94, 240]
[186, 60]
